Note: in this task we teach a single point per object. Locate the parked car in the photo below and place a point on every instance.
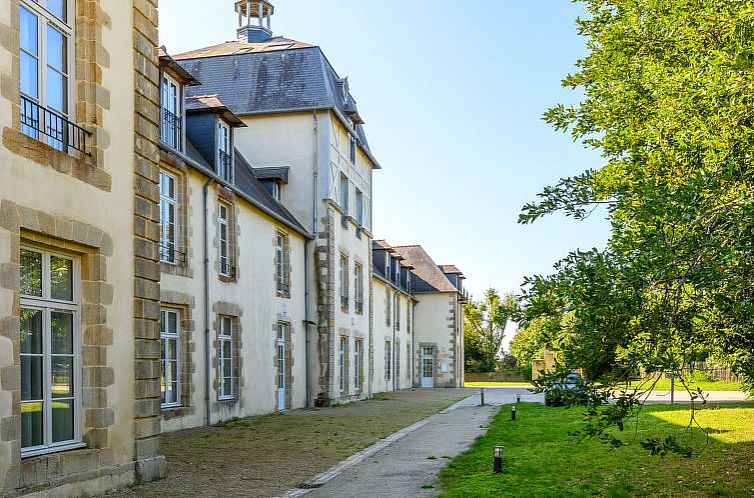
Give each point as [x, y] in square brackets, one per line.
[569, 387]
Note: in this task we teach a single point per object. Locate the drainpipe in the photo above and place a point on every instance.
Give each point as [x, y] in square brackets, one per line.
[395, 319]
[307, 320]
[207, 360]
[315, 181]
[411, 360]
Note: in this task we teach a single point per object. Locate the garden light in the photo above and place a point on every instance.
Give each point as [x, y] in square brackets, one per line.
[482, 395]
[518, 398]
[497, 453]
[513, 412]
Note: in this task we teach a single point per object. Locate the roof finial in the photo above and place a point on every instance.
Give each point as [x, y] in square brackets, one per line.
[254, 20]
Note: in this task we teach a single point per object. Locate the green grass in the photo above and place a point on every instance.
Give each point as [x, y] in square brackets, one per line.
[664, 385]
[497, 384]
[540, 461]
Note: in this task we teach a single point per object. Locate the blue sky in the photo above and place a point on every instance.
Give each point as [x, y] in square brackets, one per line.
[452, 94]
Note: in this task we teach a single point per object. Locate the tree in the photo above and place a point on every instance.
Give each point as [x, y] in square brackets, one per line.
[669, 103]
[530, 341]
[484, 327]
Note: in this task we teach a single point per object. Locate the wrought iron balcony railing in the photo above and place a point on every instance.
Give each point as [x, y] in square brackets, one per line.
[169, 254]
[172, 134]
[60, 133]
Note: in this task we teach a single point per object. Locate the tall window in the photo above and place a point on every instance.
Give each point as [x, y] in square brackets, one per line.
[388, 310]
[343, 281]
[282, 264]
[344, 193]
[358, 292]
[388, 267]
[170, 335]
[224, 160]
[397, 312]
[225, 357]
[359, 207]
[343, 355]
[358, 353]
[352, 149]
[46, 35]
[225, 259]
[168, 204]
[172, 129]
[397, 361]
[50, 353]
[388, 359]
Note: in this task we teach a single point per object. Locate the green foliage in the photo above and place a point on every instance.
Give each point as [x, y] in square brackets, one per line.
[669, 103]
[529, 342]
[484, 326]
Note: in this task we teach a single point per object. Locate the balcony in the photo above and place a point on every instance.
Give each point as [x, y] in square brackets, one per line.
[227, 271]
[359, 307]
[172, 134]
[224, 162]
[59, 132]
[169, 254]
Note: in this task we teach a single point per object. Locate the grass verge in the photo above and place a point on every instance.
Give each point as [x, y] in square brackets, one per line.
[497, 384]
[541, 461]
[664, 385]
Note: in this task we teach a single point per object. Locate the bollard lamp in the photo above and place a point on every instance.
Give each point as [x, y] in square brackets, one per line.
[497, 453]
[513, 412]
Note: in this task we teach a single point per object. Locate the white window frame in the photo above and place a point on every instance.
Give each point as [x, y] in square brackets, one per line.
[352, 149]
[358, 297]
[174, 105]
[359, 207]
[343, 352]
[224, 336]
[388, 359]
[168, 248]
[344, 291]
[388, 303]
[388, 266]
[282, 268]
[47, 305]
[224, 263]
[358, 348]
[397, 356]
[165, 338]
[224, 142]
[67, 29]
[344, 193]
[397, 312]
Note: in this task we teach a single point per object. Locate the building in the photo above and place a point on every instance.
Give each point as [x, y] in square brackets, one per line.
[233, 266]
[79, 277]
[301, 118]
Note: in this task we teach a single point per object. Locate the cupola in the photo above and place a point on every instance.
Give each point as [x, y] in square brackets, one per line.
[254, 20]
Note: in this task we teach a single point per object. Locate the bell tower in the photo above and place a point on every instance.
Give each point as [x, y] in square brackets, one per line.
[254, 20]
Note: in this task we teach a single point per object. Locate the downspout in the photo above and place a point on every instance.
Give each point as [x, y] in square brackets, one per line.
[207, 360]
[307, 320]
[411, 360]
[393, 355]
[307, 283]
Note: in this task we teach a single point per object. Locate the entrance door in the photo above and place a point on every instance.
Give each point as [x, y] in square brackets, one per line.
[428, 367]
[281, 367]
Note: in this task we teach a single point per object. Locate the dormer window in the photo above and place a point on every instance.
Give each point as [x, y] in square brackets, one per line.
[273, 187]
[224, 159]
[388, 266]
[172, 130]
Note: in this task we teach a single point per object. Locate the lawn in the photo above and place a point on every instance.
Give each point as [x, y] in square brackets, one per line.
[664, 385]
[265, 456]
[541, 461]
[497, 384]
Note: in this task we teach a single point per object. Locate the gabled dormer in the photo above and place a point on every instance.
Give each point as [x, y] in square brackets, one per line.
[210, 127]
[274, 178]
[173, 80]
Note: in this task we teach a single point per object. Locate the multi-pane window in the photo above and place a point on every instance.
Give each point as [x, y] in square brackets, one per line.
[282, 264]
[50, 359]
[224, 158]
[388, 311]
[388, 266]
[388, 359]
[282, 332]
[352, 149]
[172, 120]
[343, 355]
[358, 282]
[343, 281]
[46, 48]
[397, 312]
[397, 360]
[358, 354]
[225, 357]
[225, 259]
[168, 213]
[344, 193]
[170, 336]
[359, 207]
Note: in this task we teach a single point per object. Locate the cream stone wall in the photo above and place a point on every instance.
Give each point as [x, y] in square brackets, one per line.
[85, 207]
[253, 296]
[402, 361]
[435, 324]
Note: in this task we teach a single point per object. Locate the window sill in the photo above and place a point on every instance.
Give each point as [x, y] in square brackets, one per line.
[52, 449]
[226, 399]
[176, 406]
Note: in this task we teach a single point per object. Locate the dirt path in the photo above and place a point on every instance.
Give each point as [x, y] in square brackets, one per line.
[265, 456]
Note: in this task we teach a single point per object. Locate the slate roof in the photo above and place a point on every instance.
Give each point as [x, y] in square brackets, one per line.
[427, 276]
[211, 103]
[451, 270]
[275, 76]
[249, 185]
[272, 173]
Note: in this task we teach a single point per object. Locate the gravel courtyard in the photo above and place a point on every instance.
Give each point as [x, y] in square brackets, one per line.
[265, 456]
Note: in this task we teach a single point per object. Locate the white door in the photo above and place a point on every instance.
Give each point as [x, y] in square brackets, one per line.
[281, 367]
[428, 367]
